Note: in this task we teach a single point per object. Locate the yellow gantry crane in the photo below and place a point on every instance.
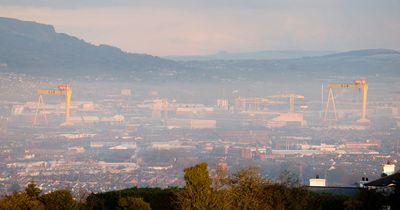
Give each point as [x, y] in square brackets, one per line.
[64, 89]
[358, 84]
[291, 97]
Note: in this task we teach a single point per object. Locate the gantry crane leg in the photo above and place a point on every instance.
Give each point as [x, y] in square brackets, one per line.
[331, 99]
[40, 106]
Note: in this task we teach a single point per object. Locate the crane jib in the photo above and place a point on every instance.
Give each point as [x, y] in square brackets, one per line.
[51, 92]
[359, 86]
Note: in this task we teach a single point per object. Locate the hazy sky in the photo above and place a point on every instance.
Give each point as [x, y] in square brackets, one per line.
[184, 27]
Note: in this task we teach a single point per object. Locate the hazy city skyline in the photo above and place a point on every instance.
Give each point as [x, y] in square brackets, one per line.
[294, 98]
[205, 27]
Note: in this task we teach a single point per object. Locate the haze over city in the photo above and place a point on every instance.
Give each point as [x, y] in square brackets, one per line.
[185, 104]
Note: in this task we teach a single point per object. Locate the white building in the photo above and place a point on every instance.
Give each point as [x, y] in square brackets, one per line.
[389, 169]
[317, 182]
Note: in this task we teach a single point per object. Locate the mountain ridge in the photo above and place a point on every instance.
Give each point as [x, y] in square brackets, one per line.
[28, 45]
[34, 48]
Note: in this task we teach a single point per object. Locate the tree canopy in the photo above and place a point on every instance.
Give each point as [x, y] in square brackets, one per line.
[244, 189]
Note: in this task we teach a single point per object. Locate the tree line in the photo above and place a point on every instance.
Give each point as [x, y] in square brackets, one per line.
[245, 189]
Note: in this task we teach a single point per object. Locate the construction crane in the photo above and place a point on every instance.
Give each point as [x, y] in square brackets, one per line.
[63, 89]
[360, 84]
[160, 109]
[291, 97]
[249, 103]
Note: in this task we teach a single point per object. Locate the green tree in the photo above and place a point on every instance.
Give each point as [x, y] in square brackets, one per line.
[197, 193]
[326, 201]
[133, 203]
[247, 189]
[252, 191]
[289, 197]
[59, 200]
[353, 204]
[221, 192]
[20, 201]
[32, 191]
[159, 199]
[366, 199]
[27, 200]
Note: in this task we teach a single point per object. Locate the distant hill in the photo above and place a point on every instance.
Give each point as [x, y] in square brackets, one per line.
[31, 47]
[369, 62]
[259, 55]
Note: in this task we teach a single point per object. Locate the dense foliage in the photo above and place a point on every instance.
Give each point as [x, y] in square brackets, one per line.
[156, 197]
[246, 189]
[32, 200]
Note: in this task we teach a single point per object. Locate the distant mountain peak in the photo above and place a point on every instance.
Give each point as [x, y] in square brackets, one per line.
[27, 29]
[35, 47]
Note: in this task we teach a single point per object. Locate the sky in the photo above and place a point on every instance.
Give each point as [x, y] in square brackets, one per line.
[201, 27]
